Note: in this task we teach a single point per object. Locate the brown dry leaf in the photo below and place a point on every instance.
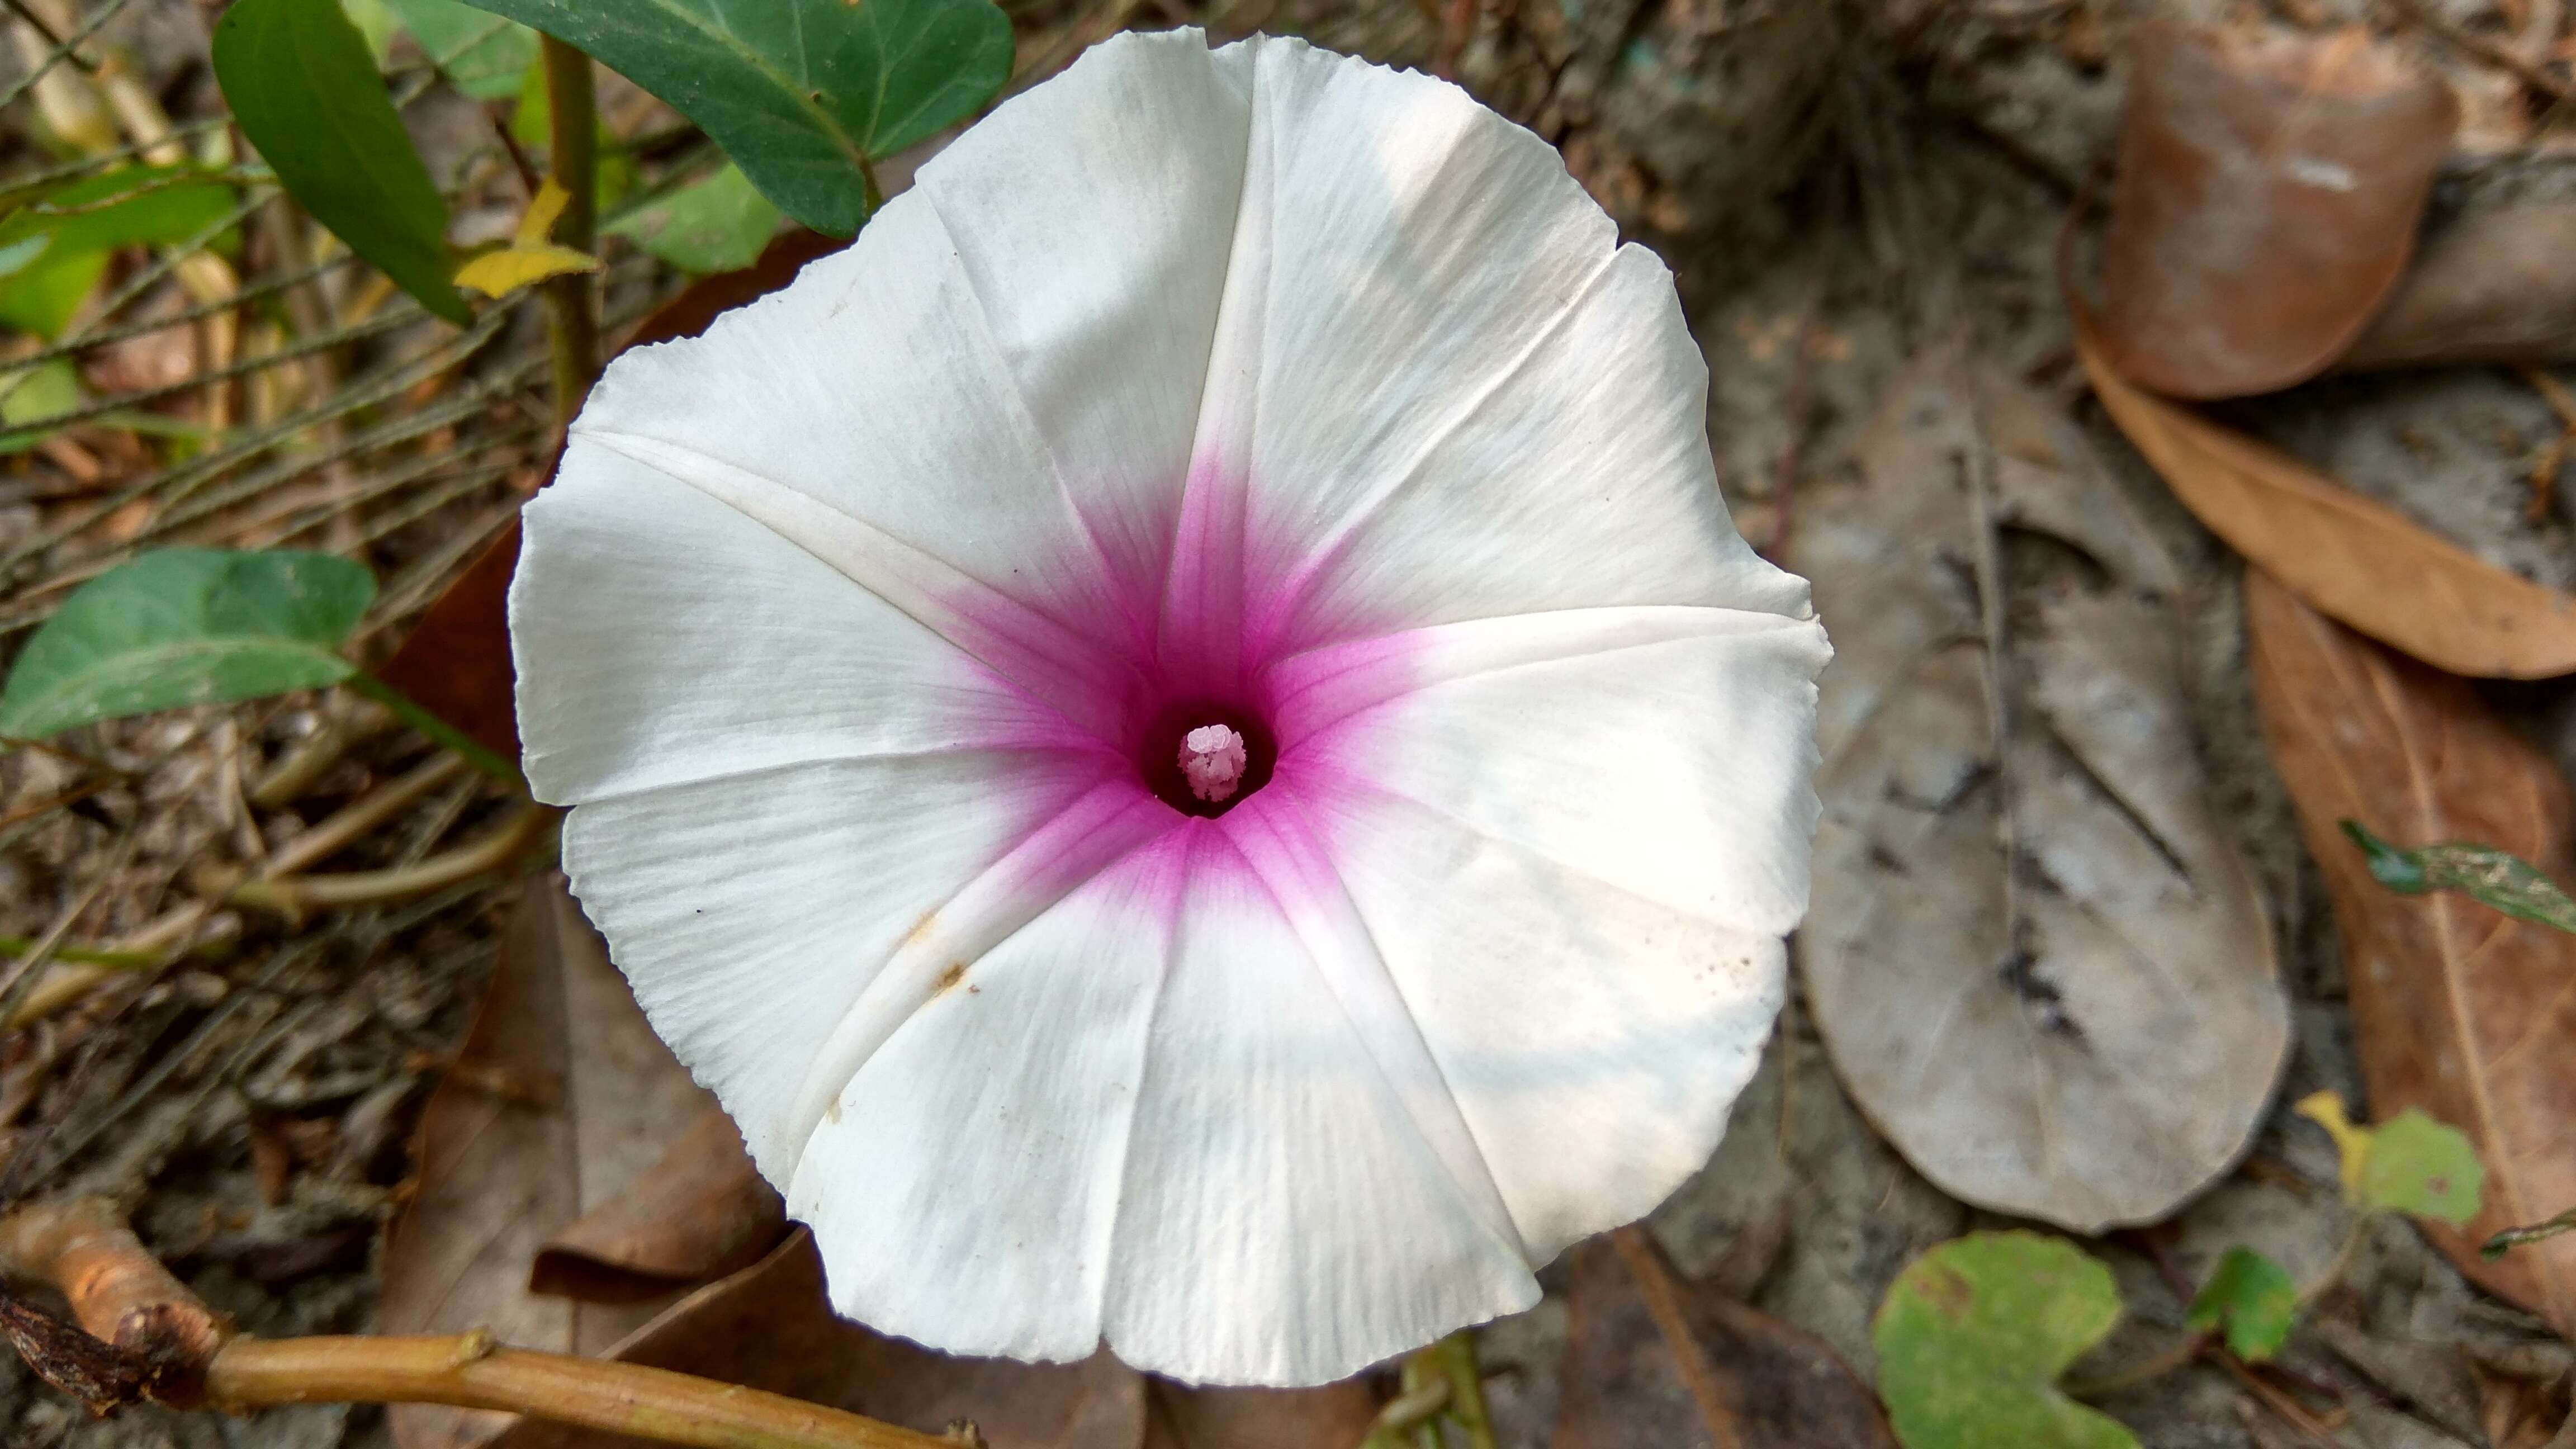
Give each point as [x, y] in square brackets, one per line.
[1652, 1358]
[769, 1327]
[456, 661]
[2362, 562]
[699, 1213]
[2493, 286]
[594, 1102]
[1335, 1416]
[2458, 1009]
[2268, 192]
[2043, 968]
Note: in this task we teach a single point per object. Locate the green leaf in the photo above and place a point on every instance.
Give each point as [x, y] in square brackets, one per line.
[30, 397]
[719, 224]
[134, 205]
[2420, 1167]
[376, 25]
[484, 54]
[797, 92]
[41, 299]
[186, 626]
[2484, 874]
[1973, 1335]
[303, 89]
[2253, 1299]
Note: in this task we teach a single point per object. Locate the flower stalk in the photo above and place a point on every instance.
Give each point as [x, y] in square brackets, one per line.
[143, 1337]
[572, 124]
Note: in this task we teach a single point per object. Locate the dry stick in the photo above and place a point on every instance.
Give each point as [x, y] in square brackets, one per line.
[2484, 50]
[295, 897]
[121, 1294]
[1716, 1405]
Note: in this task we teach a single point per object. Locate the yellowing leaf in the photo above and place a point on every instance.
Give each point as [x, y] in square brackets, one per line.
[2410, 1163]
[2353, 1143]
[497, 274]
[537, 225]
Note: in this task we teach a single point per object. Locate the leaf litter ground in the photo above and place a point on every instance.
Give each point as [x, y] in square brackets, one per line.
[1932, 170]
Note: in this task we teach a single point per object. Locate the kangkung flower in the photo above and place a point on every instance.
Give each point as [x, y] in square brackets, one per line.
[1180, 732]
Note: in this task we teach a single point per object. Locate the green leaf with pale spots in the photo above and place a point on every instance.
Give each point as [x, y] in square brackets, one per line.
[2407, 1164]
[799, 93]
[2491, 877]
[2253, 1299]
[186, 626]
[1973, 1336]
[2424, 1168]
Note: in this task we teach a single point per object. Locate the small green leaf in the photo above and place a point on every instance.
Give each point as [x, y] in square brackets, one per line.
[376, 25]
[2484, 874]
[719, 224]
[303, 89]
[483, 54]
[2420, 1167]
[797, 92]
[1973, 1335]
[149, 205]
[29, 397]
[2253, 1299]
[186, 626]
[42, 299]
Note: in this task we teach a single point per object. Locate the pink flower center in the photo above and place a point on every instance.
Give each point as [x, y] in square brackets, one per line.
[1212, 760]
[1203, 759]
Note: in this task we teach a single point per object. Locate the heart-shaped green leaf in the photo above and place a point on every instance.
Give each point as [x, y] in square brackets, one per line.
[2253, 1299]
[719, 224]
[186, 626]
[305, 91]
[484, 54]
[1973, 1335]
[797, 92]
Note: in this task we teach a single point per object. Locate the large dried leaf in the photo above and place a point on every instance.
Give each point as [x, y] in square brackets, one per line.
[561, 1101]
[2035, 953]
[2362, 562]
[2459, 1010]
[2493, 286]
[2267, 198]
[1652, 1358]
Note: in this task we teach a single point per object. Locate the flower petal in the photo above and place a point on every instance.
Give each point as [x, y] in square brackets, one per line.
[1440, 390]
[1593, 1039]
[1092, 218]
[672, 638]
[1666, 752]
[752, 912]
[1145, 1114]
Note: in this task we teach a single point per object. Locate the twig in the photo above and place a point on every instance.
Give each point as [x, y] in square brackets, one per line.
[295, 897]
[2145, 1371]
[2512, 1238]
[123, 1297]
[2480, 48]
[1795, 405]
[363, 815]
[309, 761]
[1716, 1406]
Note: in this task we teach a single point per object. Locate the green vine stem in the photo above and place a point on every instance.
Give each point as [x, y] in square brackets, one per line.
[412, 713]
[572, 123]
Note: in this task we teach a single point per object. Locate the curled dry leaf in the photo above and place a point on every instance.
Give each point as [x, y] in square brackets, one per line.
[2359, 561]
[2034, 953]
[2267, 198]
[698, 1214]
[2493, 286]
[1652, 1358]
[561, 1101]
[2460, 1011]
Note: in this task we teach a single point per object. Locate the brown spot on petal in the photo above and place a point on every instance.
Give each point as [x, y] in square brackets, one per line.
[955, 973]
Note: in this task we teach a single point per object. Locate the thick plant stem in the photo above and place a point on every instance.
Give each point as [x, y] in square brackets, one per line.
[149, 1338]
[467, 1370]
[572, 122]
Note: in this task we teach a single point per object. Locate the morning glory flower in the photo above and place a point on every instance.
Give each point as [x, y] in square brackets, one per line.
[1180, 732]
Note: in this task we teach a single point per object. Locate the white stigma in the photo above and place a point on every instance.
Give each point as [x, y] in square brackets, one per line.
[1212, 758]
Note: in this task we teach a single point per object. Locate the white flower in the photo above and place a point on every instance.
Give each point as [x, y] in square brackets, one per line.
[881, 641]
